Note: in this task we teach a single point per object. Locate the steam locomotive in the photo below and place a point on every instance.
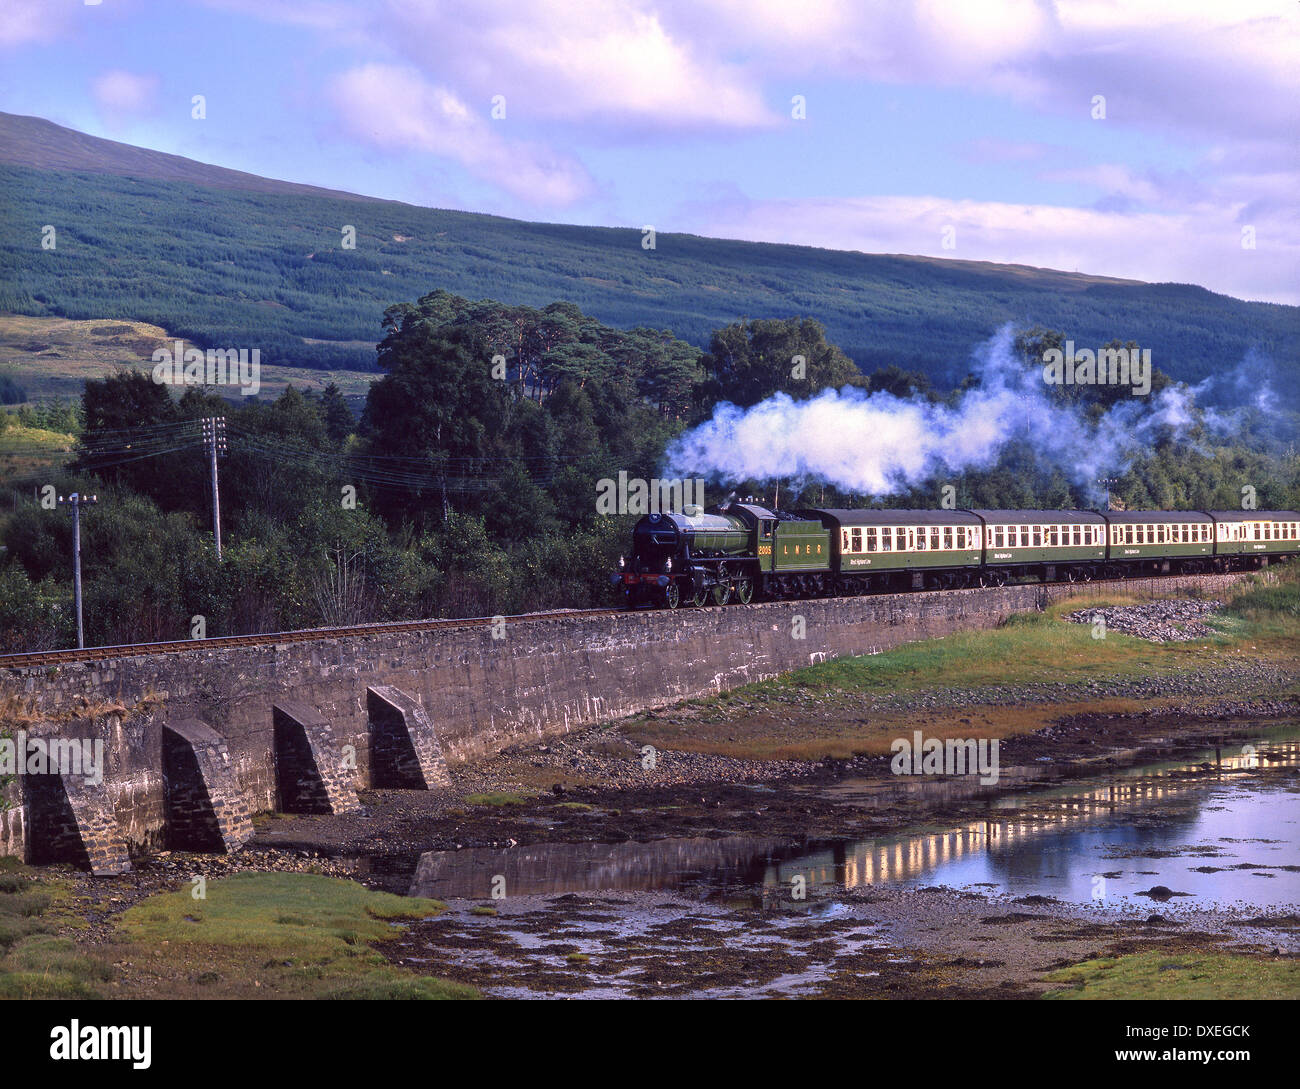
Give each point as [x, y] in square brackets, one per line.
[740, 551]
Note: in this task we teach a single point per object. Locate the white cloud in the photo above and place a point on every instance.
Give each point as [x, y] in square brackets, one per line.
[119, 92]
[27, 21]
[612, 60]
[395, 108]
[1196, 245]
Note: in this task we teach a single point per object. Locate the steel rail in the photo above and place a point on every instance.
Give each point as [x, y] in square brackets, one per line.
[307, 635]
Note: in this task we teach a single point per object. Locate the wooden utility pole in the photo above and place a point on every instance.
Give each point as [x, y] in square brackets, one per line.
[214, 435]
[76, 501]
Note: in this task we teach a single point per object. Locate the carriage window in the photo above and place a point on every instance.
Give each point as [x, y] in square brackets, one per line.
[934, 537]
[960, 535]
[1024, 536]
[871, 540]
[1161, 536]
[1257, 530]
[1053, 535]
[947, 537]
[920, 538]
[1038, 536]
[999, 536]
[857, 540]
[886, 540]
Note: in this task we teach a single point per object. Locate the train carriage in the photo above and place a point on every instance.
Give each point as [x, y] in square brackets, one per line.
[881, 549]
[1159, 542]
[1049, 544]
[1261, 534]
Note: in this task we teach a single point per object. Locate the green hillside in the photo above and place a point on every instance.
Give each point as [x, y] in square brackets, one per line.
[197, 251]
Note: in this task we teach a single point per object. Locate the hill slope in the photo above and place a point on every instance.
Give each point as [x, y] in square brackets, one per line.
[229, 259]
[36, 142]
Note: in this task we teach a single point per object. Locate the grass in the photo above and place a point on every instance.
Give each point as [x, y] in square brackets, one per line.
[53, 357]
[275, 935]
[35, 963]
[823, 710]
[1267, 607]
[1178, 976]
[495, 798]
[26, 451]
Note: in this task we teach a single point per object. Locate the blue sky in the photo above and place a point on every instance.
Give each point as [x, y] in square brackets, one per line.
[964, 130]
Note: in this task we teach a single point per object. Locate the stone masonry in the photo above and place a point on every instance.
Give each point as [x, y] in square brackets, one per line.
[404, 748]
[307, 723]
[206, 810]
[312, 761]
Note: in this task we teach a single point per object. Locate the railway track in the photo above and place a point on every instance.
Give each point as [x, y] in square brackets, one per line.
[308, 635]
[312, 635]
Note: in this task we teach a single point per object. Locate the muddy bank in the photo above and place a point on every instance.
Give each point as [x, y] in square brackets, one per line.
[594, 786]
[884, 943]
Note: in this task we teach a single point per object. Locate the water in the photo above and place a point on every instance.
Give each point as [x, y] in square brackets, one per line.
[1220, 829]
[1226, 837]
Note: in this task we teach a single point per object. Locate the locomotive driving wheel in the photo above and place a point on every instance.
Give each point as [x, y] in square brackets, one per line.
[722, 589]
[744, 590]
[672, 595]
[700, 598]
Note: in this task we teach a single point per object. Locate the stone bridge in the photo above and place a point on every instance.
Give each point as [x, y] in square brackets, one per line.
[197, 742]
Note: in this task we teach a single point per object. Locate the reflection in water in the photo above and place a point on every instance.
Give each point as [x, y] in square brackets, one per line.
[578, 867]
[1140, 827]
[1214, 836]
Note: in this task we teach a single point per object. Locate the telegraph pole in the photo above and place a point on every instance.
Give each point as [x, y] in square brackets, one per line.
[76, 501]
[1108, 481]
[214, 435]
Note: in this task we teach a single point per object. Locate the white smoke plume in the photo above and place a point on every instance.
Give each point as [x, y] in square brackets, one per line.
[877, 444]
